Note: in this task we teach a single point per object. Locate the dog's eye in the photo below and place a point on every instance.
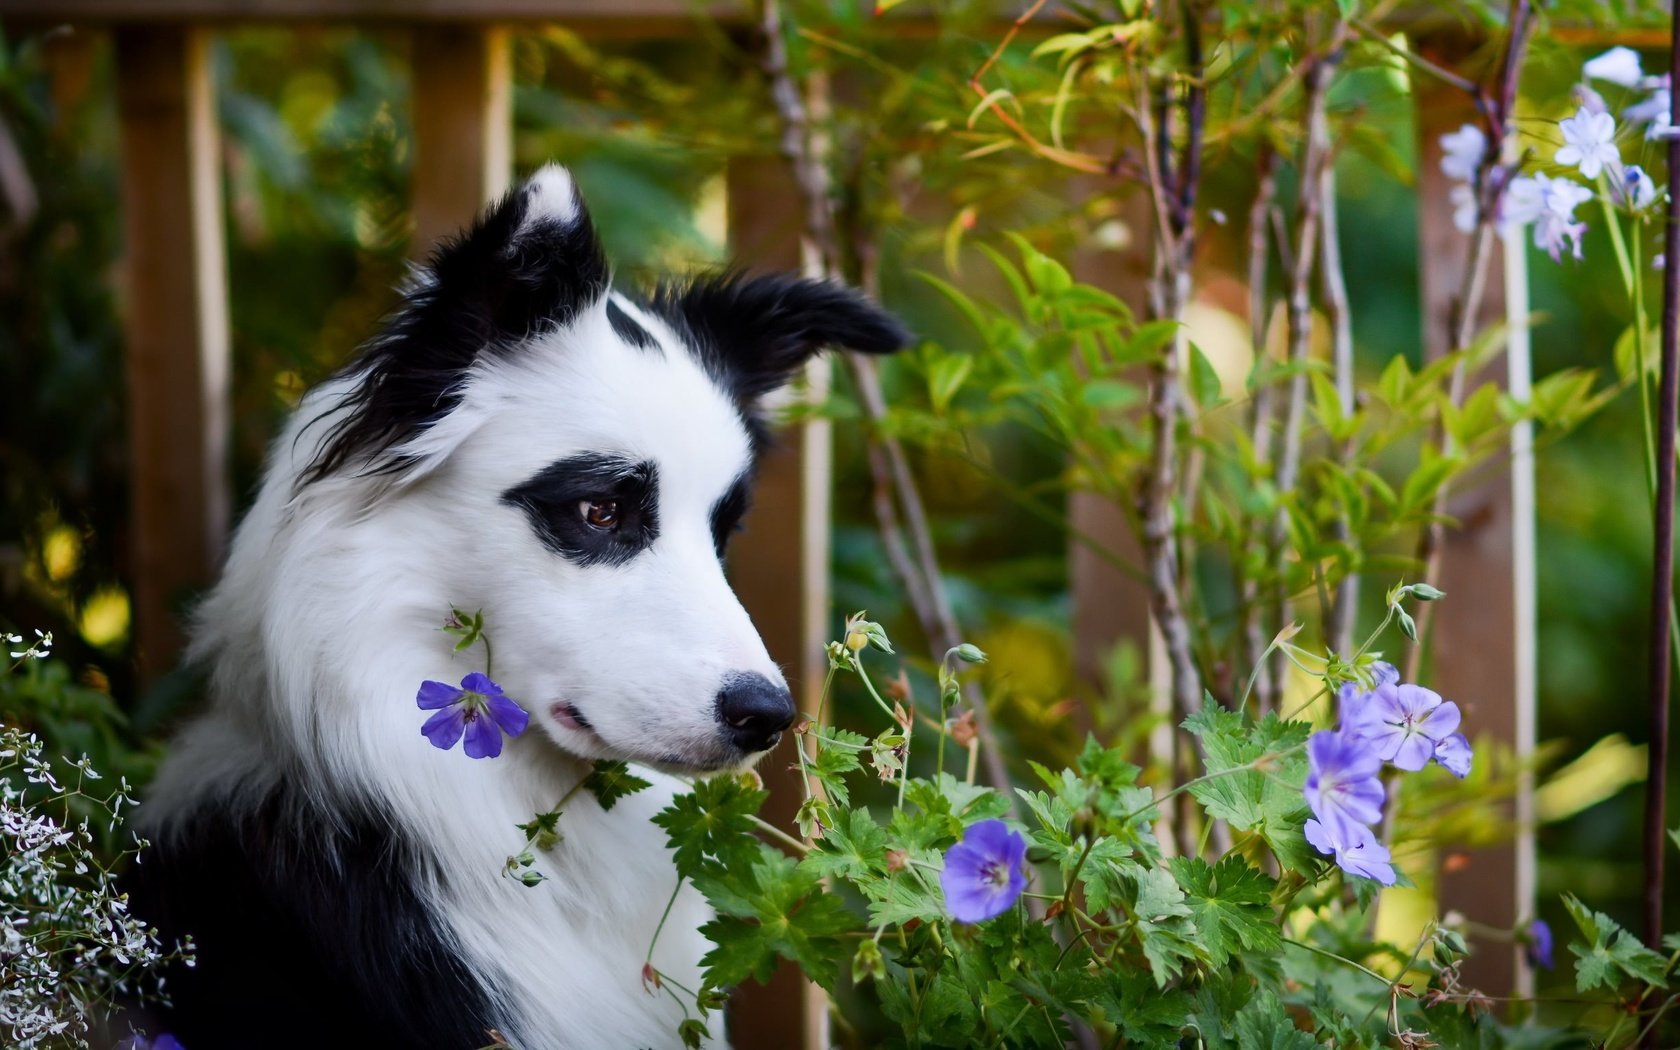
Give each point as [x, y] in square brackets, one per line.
[600, 514]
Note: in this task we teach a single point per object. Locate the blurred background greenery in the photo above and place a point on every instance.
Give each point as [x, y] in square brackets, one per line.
[317, 157]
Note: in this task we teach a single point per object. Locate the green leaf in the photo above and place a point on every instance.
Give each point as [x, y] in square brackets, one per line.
[1263, 1024]
[777, 909]
[1204, 380]
[714, 820]
[1109, 394]
[1613, 953]
[1266, 800]
[1162, 929]
[854, 848]
[1231, 903]
[610, 781]
[945, 376]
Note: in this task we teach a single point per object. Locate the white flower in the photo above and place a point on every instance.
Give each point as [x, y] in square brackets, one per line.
[1619, 65]
[1462, 152]
[1654, 111]
[1465, 208]
[1556, 223]
[1633, 189]
[1590, 142]
[1523, 202]
[1550, 205]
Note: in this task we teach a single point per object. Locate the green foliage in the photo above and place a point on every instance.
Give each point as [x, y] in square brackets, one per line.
[610, 781]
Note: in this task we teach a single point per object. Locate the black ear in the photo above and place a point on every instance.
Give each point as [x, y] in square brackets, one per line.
[754, 332]
[531, 261]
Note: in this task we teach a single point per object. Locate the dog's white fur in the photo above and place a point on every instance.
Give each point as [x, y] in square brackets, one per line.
[327, 619]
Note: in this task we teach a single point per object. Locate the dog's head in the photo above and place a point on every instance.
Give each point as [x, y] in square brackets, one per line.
[576, 461]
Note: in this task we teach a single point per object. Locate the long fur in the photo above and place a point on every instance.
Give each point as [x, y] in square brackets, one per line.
[344, 879]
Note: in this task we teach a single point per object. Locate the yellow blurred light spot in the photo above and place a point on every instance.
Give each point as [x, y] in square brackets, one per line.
[1607, 767]
[1225, 340]
[61, 552]
[104, 619]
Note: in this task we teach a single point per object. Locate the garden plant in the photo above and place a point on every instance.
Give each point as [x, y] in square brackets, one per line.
[1233, 835]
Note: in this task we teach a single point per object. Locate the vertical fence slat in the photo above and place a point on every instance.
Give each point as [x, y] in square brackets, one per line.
[463, 125]
[1475, 658]
[175, 322]
[779, 568]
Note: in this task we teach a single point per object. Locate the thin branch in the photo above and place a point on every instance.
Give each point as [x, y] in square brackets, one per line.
[1491, 181]
[1265, 394]
[1662, 576]
[1344, 610]
[906, 532]
[1315, 156]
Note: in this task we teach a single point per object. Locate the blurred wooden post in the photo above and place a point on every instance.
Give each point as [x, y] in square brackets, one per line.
[780, 570]
[174, 270]
[463, 126]
[1483, 633]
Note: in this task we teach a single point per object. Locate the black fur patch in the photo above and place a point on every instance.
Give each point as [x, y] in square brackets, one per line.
[483, 292]
[629, 329]
[554, 502]
[728, 511]
[310, 932]
[752, 333]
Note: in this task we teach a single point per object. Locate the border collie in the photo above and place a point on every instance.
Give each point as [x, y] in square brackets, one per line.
[523, 439]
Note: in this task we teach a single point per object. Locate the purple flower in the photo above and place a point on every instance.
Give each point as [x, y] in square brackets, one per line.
[1404, 723]
[1589, 142]
[1349, 698]
[983, 875]
[1342, 785]
[1632, 188]
[139, 1041]
[475, 710]
[1454, 753]
[1356, 850]
[1537, 945]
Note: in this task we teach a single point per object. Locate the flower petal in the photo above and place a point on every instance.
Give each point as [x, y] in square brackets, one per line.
[445, 727]
[1454, 753]
[434, 695]
[1442, 722]
[508, 714]
[479, 682]
[484, 738]
[1414, 752]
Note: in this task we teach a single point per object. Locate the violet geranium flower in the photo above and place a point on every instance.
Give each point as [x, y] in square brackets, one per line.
[1537, 945]
[1342, 785]
[983, 876]
[1355, 848]
[479, 710]
[1404, 724]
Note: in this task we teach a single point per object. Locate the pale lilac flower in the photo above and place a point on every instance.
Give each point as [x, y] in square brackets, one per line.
[1588, 99]
[478, 710]
[1632, 189]
[1462, 152]
[1654, 111]
[1523, 201]
[1466, 208]
[1350, 696]
[1355, 848]
[1454, 753]
[1403, 723]
[1590, 142]
[1550, 204]
[983, 876]
[1342, 784]
[1619, 66]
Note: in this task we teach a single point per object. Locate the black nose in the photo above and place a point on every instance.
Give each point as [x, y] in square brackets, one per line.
[754, 711]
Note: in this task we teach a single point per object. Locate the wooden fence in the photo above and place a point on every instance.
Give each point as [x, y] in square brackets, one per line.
[177, 338]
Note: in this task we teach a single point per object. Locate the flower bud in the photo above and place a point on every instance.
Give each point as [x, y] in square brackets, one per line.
[868, 961]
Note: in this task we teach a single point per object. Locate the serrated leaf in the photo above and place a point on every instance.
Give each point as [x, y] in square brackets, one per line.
[855, 847]
[610, 781]
[713, 820]
[1231, 904]
[1613, 954]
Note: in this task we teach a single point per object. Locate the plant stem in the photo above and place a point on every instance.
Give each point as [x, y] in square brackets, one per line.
[1662, 576]
[779, 835]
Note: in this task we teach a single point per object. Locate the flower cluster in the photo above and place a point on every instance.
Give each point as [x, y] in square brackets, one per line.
[1548, 203]
[68, 944]
[1406, 726]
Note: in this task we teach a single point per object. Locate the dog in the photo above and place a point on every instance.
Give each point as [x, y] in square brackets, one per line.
[524, 439]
